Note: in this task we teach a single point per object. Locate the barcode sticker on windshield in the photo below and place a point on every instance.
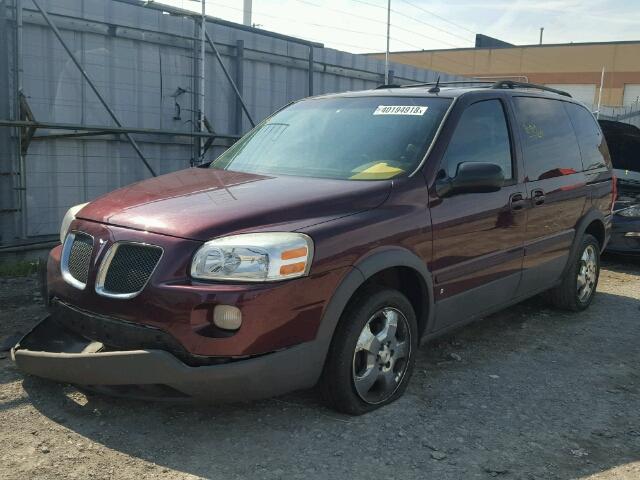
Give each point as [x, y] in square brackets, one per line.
[399, 110]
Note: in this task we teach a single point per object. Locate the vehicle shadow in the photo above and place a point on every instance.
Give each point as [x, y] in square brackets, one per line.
[8, 375]
[621, 263]
[529, 393]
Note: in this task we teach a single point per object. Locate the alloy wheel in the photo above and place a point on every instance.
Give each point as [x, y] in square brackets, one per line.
[587, 273]
[381, 355]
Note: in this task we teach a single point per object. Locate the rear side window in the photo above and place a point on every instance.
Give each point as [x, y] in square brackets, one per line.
[481, 136]
[590, 138]
[550, 145]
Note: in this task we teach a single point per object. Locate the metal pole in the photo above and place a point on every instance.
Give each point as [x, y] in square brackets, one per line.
[600, 93]
[386, 55]
[22, 164]
[109, 129]
[19, 42]
[92, 85]
[226, 73]
[10, 174]
[247, 13]
[203, 30]
[239, 83]
[195, 92]
[541, 32]
[311, 64]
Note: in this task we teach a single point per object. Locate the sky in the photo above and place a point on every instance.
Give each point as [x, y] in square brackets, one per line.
[359, 26]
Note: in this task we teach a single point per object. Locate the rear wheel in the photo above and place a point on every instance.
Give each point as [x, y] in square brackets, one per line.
[372, 353]
[581, 279]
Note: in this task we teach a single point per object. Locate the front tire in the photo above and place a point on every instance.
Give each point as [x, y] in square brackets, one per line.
[372, 353]
[579, 284]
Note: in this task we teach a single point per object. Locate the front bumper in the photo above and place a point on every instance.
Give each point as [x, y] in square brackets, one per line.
[621, 242]
[55, 352]
[275, 315]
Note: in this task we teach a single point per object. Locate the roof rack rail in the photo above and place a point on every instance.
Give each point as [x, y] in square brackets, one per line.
[512, 84]
[388, 85]
[452, 82]
[487, 84]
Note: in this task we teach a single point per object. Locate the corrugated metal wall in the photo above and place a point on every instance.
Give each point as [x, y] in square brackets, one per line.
[144, 63]
[9, 157]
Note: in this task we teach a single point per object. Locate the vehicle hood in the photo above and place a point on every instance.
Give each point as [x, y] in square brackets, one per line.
[204, 203]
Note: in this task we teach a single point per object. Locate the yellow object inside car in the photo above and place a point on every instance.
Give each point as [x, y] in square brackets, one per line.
[378, 171]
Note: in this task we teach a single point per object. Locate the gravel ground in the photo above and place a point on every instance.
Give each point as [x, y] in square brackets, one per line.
[529, 393]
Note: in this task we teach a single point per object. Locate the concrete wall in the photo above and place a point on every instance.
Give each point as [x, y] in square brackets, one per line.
[576, 64]
[139, 58]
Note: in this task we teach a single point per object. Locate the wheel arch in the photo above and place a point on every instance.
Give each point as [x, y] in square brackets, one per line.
[593, 223]
[597, 229]
[376, 266]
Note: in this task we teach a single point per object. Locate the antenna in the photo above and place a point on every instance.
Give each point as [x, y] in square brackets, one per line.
[436, 87]
[386, 54]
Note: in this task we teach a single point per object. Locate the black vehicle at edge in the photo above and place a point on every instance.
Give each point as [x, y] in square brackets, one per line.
[624, 145]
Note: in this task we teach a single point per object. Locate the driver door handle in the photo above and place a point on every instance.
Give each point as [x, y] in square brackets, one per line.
[517, 202]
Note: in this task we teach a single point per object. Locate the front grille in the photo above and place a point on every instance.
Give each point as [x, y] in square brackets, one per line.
[127, 269]
[79, 256]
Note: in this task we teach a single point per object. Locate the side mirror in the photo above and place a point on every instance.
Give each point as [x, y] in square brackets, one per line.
[472, 177]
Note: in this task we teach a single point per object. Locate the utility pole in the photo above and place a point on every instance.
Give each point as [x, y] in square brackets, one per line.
[600, 93]
[246, 13]
[541, 32]
[386, 55]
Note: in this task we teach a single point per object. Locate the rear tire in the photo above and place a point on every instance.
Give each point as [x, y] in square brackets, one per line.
[372, 353]
[579, 283]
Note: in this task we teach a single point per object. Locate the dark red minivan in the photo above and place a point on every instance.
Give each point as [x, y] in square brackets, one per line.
[326, 244]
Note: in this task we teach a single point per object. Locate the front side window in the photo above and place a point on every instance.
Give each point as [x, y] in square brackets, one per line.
[550, 145]
[481, 136]
[355, 138]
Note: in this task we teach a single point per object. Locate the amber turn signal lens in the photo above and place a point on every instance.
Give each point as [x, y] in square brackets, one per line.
[292, 268]
[295, 253]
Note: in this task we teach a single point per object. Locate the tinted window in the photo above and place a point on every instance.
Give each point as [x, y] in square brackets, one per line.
[481, 136]
[356, 138]
[590, 138]
[550, 145]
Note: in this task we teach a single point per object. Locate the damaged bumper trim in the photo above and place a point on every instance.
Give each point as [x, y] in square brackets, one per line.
[54, 352]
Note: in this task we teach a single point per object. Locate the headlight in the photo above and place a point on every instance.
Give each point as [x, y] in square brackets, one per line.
[68, 218]
[254, 257]
[630, 212]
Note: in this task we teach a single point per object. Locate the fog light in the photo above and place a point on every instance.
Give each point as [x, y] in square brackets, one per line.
[632, 234]
[227, 317]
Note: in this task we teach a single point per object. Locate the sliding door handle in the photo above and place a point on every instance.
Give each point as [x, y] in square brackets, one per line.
[537, 197]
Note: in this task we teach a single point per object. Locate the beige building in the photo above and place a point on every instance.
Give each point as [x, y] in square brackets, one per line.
[576, 67]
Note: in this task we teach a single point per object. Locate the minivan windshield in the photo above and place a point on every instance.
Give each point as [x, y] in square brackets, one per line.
[355, 138]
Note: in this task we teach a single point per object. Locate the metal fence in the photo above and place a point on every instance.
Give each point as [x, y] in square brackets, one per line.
[629, 114]
[104, 92]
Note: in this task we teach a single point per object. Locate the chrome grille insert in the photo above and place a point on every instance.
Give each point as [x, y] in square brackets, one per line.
[126, 269]
[76, 259]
